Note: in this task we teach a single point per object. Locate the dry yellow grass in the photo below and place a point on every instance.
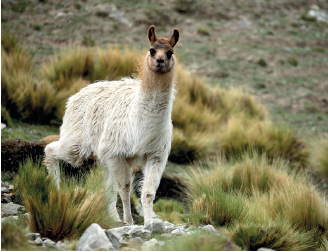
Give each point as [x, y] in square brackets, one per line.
[66, 212]
[250, 192]
[319, 155]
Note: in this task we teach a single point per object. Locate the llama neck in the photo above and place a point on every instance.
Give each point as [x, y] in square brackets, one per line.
[152, 81]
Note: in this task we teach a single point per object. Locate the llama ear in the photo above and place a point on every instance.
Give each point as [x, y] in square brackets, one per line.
[151, 34]
[175, 37]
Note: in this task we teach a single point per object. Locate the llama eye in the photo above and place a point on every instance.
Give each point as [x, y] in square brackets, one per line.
[169, 54]
[152, 52]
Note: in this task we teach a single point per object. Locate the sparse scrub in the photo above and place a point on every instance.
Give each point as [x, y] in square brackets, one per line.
[319, 155]
[65, 212]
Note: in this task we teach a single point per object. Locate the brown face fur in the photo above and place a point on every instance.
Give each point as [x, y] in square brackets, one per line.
[160, 57]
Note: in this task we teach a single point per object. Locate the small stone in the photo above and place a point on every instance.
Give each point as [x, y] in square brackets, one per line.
[140, 232]
[155, 225]
[3, 125]
[4, 190]
[49, 242]
[6, 200]
[11, 209]
[209, 228]
[265, 249]
[150, 245]
[32, 236]
[60, 245]
[2, 184]
[169, 227]
[94, 238]
[136, 243]
[38, 241]
[113, 238]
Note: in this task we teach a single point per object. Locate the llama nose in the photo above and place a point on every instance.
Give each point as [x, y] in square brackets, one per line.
[160, 61]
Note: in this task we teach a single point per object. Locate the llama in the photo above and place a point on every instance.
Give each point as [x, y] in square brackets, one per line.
[124, 123]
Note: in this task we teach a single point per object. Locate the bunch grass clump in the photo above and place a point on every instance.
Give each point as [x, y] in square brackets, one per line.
[319, 155]
[278, 236]
[258, 202]
[65, 212]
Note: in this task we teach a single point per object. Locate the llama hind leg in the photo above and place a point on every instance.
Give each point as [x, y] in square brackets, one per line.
[121, 170]
[52, 161]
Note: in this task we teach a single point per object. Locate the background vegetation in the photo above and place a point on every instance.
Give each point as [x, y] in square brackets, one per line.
[260, 156]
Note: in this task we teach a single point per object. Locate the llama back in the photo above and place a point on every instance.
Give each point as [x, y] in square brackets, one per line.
[90, 112]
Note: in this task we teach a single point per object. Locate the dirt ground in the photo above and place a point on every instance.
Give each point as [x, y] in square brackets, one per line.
[264, 47]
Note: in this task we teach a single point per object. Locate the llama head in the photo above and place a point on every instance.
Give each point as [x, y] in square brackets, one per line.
[161, 53]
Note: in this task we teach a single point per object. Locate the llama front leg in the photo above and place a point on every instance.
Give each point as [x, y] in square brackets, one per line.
[153, 173]
[118, 167]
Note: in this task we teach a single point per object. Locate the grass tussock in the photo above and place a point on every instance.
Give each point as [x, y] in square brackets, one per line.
[171, 211]
[13, 237]
[319, 155]
[258, 202]
[65, 212]
[279, 236]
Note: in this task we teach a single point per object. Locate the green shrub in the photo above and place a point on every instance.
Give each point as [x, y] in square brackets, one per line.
[65, 212]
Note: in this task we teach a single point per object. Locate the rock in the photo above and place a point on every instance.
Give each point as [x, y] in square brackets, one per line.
[6, 200]
[155, 225]
[3, 184]
[32, 236]
[4, 190]
[169, 227]
[60, 245]
[150, 245]
[49, 242]
[140, 232]
[317, 15]
[136, 243]
[11, 209]
[209, 228]
[14, 217]
[114, 239]
[94, 238]
[265, 249]
[3, 126]
[38, 241]
[123, 231]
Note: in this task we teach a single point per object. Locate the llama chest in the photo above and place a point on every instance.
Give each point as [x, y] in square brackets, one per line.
[139, 125]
